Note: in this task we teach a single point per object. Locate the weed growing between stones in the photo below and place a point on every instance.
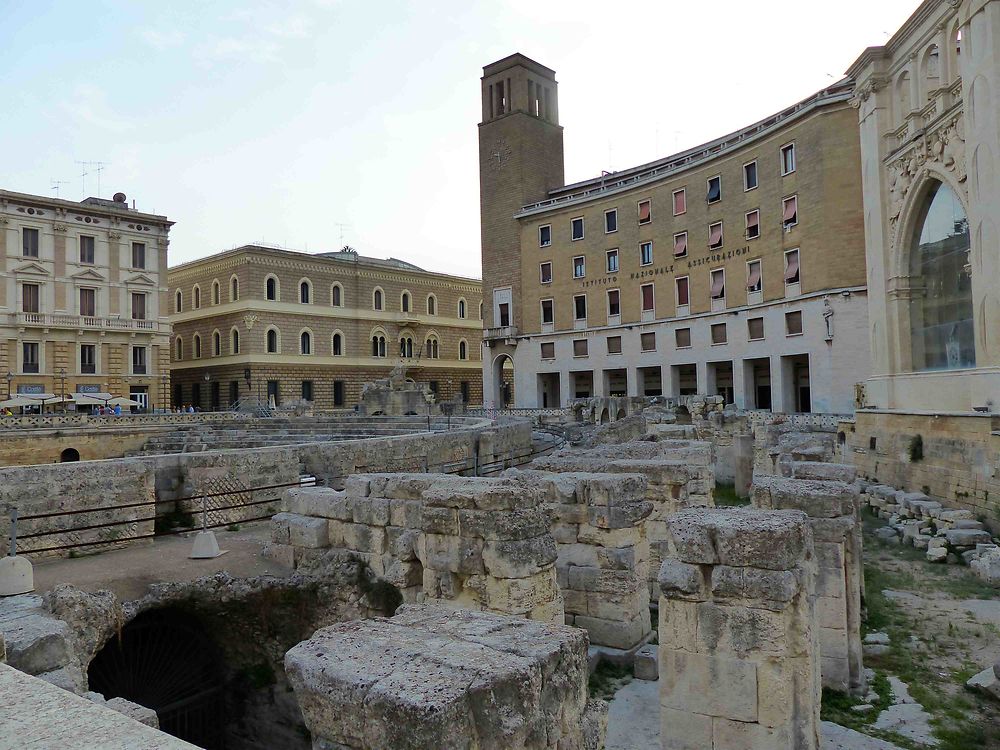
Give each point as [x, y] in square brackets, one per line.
[607, 679]
[725, 494]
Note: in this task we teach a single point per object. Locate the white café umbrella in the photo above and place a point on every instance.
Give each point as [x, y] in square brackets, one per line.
[91, 399]
[17, 401]
[122, 401]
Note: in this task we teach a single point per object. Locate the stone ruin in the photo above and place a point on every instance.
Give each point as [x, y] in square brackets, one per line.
[428, 678]
[398, 395]
[739, 667]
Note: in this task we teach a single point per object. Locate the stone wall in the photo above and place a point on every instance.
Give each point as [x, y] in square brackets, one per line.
[428, 678]
[599, 524]
[956, 460]
[678, 475]
[789, 441]
[834, 510]
[472, 543]
[738, 658]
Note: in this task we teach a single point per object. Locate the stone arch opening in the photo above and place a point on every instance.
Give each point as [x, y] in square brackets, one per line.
[503, 381]
[683, 415]
[164, 660]
[605, 416]
[620, 414]
[68, 455]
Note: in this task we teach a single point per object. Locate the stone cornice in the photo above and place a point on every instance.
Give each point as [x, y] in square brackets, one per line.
[257, 359]
[64, 207]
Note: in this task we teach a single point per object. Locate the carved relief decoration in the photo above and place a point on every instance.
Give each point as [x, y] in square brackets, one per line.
[865, 90]
[249, 321]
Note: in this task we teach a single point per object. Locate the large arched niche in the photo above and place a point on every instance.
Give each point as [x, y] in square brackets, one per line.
[938, 317]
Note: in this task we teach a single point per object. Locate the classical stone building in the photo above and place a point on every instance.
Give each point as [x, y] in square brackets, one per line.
[82, 289]
[265, 323]
[733, 268]
[929, 118]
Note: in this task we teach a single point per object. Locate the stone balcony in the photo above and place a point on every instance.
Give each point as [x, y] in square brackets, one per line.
[506, 334]
[82, 322]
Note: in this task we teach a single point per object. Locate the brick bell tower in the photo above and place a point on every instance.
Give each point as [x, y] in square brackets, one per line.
[520, 160]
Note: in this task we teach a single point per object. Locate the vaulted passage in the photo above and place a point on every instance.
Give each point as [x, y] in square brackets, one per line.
[164, 660]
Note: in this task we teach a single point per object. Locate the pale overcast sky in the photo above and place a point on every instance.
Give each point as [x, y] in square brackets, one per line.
[278, 122]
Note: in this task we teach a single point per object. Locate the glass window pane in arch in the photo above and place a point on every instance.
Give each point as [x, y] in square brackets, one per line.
[941, 327]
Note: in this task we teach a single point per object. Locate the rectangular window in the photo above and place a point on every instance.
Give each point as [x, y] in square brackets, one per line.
[138, 360]
[614, 344]
[545, 272]
[29, 355]
[754, 282]
[680, 244]
[793, 323]
[715, 235]
[787, 159]
[88, 359]
[547, 314]
[792, 267]
[682, 291]
[682, 336]
[30, 298]
[614, 302]
[464, 389]
[714, 189]
[504, 314]
[580, 348]
[612, 261]
[719, 335]
[645, 212]
[29, 243]
[86, 249]
[577, 228]
[307, 390]
[753, 224]
[580, 307]
[579, 267]
[750, 175]
[648, 298]
[138, 255]
[647, 341]
[138, 306]
[790, 212]
[645, 253]
[88, 303]
[611, 221]
[755, 329]
[338, 392]
[548, 350]
[680, 202]
[545, 235]
[718, 283]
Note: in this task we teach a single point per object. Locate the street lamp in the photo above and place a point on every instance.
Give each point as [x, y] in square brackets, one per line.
[10, 377]
[208, 377]
[165, 393]
[62, 386]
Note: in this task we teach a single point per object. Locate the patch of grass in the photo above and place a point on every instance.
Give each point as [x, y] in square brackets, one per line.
[725, 494]
[607, 679]
[233, 527]
[175, 519]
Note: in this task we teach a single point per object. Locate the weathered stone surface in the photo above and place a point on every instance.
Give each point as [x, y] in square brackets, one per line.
[433, 678]
[818, 499]
[646, 667]
[967, 537]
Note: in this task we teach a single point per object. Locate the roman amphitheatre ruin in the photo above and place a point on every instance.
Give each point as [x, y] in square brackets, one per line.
[624, 573]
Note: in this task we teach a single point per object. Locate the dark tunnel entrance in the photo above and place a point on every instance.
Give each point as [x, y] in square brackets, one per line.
[164, 660]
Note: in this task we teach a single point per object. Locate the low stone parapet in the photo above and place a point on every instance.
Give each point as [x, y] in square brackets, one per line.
[474, 543]
[599, 524]
[429, 678]
[738, 656]
[834, 513]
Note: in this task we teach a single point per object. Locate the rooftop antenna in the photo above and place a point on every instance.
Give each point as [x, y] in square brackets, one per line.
[56, 184]
[98, 167]
[341, 228]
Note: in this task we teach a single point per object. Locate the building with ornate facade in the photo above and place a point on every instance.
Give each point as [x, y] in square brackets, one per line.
[734, 268]
[82, 290]
[279, 326]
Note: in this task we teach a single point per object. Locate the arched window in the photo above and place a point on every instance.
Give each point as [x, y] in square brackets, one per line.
[272, 341]
[271, 289]
[931, 70]
[461, 308]
[178, 301]
[196, 296]
[337, 295]
[305, 343]
[338, 344]
[305, 292]
[463, 350]
[405, 346]
[377, 299]
[378, 345]
[404, 302]
[216, 344]
[480, 310]
[234, 341]
[942, 335]
[178, 348]
[197, 346]
[431, 304]
[234, 289]
[903, 99]
[216, 293]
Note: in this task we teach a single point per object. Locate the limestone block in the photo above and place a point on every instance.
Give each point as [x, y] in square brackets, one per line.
[359, 485]
[517, 596]
[439, 521]
[823, 471]
[321, 502]
[582, 555]
[715, 685]
[280, 532]
[683, 730]
[36, 642]
[614, 633]
[405, 513]
[519, 558]
[402, 543]
[141, 714]
[308, 532]
[678, 626]
[371, 511]
[357, 537]
[751, 583]
[681, 580]
[967, 537]
[741, 630]
[818, 499]
[565, 533]
[523, 524]
[645, 663]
